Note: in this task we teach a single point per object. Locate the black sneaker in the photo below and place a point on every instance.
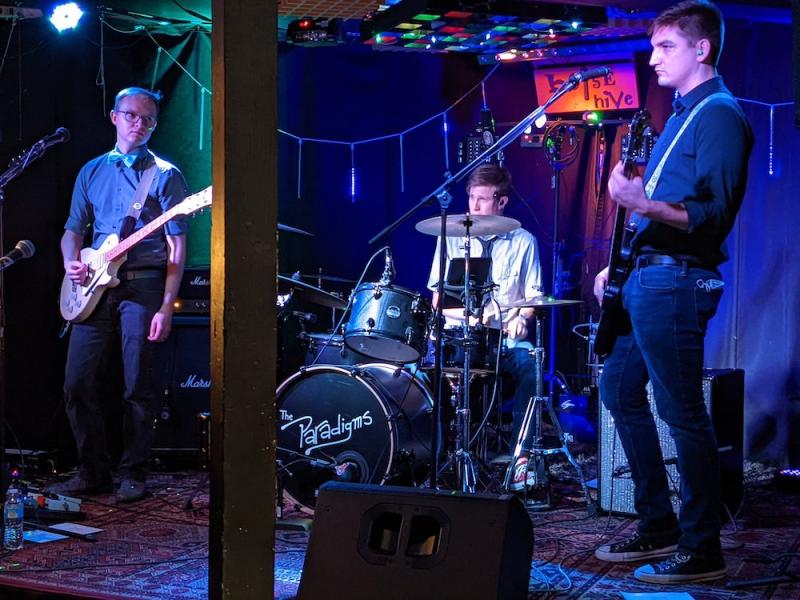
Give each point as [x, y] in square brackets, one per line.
[637, 547]
[683, 567]
[130, 490]
[81, 485]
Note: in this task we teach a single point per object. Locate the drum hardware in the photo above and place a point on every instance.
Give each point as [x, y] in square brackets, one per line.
[532, 425]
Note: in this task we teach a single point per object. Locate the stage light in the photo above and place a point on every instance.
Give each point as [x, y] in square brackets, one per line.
[540, 121]
[593, 118]
[66, 16]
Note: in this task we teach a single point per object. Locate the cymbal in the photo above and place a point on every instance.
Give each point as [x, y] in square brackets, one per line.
[309, 292]
[290, 229]
[480, 225]
[331, 278]
[539, 302]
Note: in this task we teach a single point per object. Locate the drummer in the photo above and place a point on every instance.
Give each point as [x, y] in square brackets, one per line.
[516, 272]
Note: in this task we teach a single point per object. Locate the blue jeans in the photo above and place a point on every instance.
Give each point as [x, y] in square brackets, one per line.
[669, 308]
[518, 364]
[123, 312]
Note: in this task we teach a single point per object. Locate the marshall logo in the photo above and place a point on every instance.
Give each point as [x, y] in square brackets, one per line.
[200, 281]
[325, 433]
[193, 381]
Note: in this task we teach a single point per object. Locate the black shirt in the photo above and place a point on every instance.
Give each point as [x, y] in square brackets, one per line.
[706, 172]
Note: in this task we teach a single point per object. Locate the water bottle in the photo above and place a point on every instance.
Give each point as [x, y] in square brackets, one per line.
[13, 515]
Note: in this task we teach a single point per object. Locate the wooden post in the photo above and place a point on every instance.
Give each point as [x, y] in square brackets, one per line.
[243, 295]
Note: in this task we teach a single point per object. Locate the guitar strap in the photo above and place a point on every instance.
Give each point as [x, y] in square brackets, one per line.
[137, 203]
[652, 182]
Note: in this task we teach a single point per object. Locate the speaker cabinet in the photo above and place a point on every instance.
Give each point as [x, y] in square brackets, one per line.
[186, 386]
[393, 543]
[723, 391]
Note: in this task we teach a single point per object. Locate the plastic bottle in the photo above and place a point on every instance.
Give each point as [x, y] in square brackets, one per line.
[13, 516]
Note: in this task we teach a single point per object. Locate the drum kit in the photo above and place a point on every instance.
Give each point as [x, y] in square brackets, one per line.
[361, 409]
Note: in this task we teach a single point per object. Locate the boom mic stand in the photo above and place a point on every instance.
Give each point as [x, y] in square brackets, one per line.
[443, 196]
[15, 167]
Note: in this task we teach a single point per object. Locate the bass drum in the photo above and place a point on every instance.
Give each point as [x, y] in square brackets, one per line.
[364, 424]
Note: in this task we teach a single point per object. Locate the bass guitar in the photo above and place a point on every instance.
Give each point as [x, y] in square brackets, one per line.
[78, 301]
[613, 319]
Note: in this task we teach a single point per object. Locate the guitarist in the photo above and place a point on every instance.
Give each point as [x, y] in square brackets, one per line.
[686, 202]
[138, 312]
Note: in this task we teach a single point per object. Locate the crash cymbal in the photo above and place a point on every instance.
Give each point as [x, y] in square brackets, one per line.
[539, 302]
[331, 278]
[457, 225]
[308, 292]
[290, 229]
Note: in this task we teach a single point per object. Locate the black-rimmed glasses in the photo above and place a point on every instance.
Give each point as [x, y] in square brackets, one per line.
[133, 117]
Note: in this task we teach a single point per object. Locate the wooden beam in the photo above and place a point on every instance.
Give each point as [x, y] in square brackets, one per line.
[243, 294]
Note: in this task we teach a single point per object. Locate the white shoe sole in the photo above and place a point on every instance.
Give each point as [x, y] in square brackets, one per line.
[603, 553]
[647, 574]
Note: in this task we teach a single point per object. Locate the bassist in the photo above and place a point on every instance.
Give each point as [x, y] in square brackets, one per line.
[686, 202]
[137, 313]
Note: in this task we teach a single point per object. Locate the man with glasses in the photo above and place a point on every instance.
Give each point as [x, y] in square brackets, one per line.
[132, 317]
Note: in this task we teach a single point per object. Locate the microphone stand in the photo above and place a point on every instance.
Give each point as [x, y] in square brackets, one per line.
[15, 167]
[443, 196]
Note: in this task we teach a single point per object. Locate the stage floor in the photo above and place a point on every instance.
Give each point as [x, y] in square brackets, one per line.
[155, 549]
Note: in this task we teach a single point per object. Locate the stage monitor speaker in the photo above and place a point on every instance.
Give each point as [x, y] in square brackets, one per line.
[184, 361]
[723, 391]
[374, 542]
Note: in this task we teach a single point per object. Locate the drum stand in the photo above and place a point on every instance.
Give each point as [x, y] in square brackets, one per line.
[537, 404]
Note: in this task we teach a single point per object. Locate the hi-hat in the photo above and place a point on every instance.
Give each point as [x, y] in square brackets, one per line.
[539, 302]
[290, 229]
[478, 225]
[308, 292]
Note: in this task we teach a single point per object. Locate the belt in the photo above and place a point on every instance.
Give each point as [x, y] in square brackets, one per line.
[141, 274]
[649, 260]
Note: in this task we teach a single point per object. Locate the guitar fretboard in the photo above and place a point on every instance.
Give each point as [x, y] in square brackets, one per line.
[139, 235]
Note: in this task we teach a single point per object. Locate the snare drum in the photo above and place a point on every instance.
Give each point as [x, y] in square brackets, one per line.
[483, 354]
[388, 323]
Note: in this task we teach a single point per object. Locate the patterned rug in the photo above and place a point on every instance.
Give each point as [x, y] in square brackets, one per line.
[156, 550]
[150, 549]
[763, 541]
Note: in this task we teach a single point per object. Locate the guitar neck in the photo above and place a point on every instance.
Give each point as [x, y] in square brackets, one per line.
[139, 235]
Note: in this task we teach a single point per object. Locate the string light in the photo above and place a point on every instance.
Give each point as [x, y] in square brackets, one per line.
[353, 173]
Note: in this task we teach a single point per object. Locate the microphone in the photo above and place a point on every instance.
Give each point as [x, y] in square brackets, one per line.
[23, 249]
[579, 76]
[304, 316]
[388, 268]
[59, 135]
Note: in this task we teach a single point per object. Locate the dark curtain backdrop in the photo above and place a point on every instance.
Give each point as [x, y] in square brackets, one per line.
[52, 83]
[350, 93]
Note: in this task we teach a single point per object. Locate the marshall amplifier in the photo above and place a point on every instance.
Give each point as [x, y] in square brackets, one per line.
[185, 388]
[723, 390]
[194, 295]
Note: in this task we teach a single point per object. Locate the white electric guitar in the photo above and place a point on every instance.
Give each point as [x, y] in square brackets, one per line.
[78, 301]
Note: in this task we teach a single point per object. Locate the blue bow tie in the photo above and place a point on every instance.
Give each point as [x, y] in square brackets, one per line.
[129, 159]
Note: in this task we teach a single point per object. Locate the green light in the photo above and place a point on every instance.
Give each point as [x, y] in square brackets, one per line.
[425, 17]
[593, 118]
